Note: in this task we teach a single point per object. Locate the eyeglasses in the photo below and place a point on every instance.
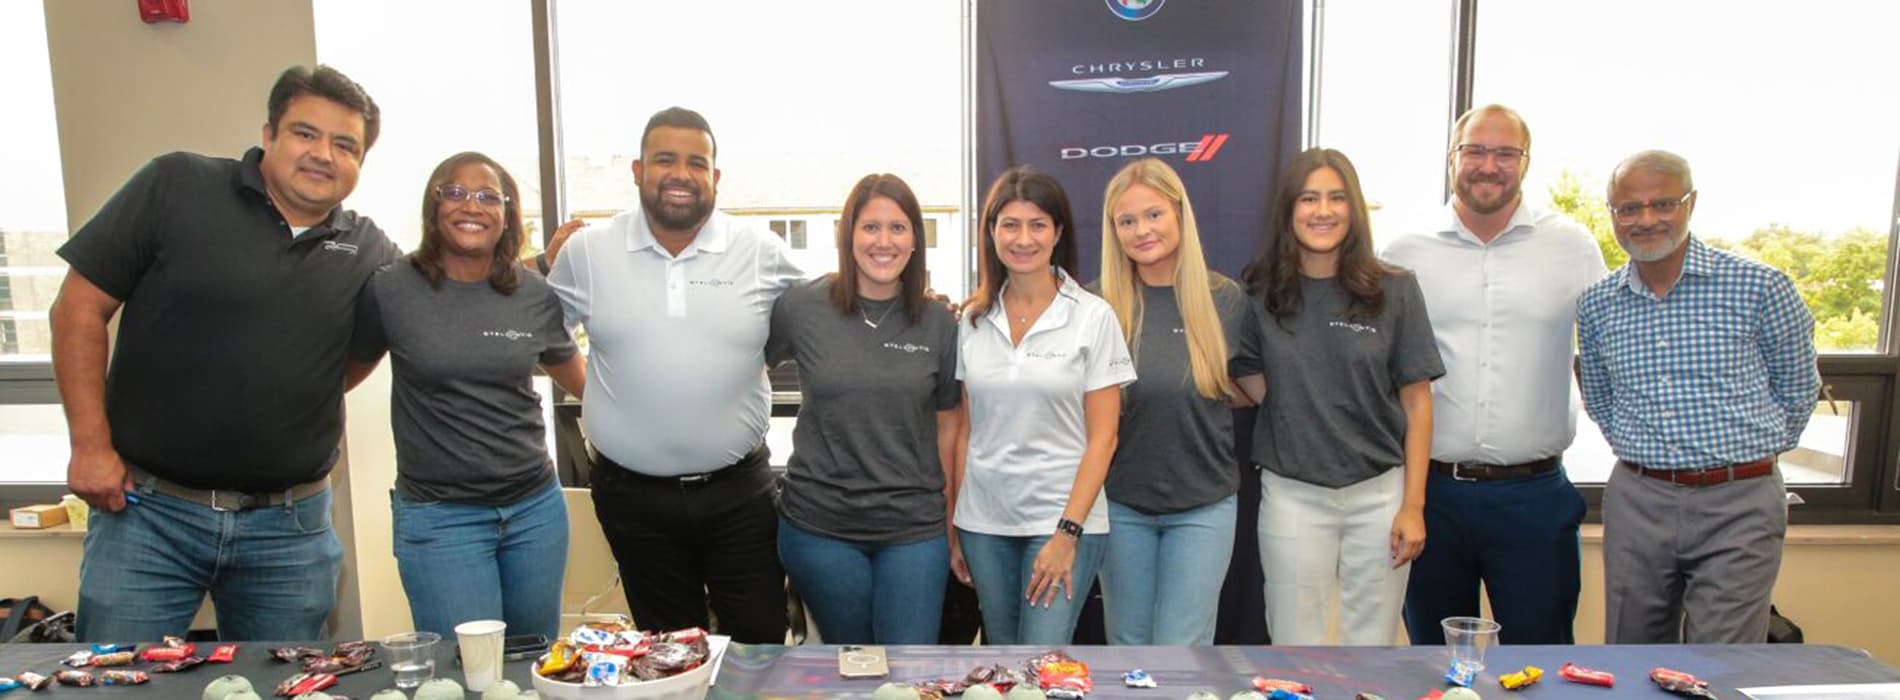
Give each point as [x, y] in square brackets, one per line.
[1630, 212]
[458, 193]
[1506, 155]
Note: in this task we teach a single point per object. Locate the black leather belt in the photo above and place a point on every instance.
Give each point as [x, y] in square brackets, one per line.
[1472, 471]
[606, 465]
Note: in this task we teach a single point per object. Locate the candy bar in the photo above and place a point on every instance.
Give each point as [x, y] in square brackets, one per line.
[1284, 694]
[1517, 680]
[1138, 679]
[1578, 674]
[78, 679]
[117, 658]
[294, 653]
[223, 654]
[79, 658]
[111, 648]
[1680, 683]
[603, 670]
[1461, 674]
[1268, 685]
[560, 657]
[305, 683]
[33, 681]
[167, 652]
[117, 677]
[7, 684]
[176, 665]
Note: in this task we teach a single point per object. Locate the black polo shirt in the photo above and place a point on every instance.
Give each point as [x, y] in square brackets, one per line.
[228, 371]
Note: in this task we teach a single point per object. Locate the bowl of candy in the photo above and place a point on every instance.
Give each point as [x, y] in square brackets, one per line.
[614, 661]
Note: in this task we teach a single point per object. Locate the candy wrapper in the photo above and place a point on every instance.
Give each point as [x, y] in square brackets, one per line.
[7, 684]
[223, 654]
[1680, 683]
[111, 648]
[1268, 685]
[176, 665]
[1578, 674]
[603, 669]
[33, 681]
[79, 659]
[1518, 680]
[941, 687]
[289, 654]
[117, 658]
[124, 677]
[1138, 679]
[77, 679]
[1059, 675]
[1461, 674]
[305, 683]
[1284, 694]
[168, 653]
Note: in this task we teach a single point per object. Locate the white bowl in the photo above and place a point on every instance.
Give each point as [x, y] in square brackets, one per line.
[690, 685]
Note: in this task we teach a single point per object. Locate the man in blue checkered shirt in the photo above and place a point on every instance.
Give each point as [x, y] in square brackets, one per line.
[1699, 366]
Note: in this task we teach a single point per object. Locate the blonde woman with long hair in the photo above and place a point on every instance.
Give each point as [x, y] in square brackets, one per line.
[1171, 486]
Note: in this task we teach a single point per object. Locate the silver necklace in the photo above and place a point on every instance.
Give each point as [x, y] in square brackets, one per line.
[880, 317]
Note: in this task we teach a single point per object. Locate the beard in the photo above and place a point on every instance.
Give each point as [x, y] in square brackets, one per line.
[674, 216]
[1466, 189]
[1654, 250]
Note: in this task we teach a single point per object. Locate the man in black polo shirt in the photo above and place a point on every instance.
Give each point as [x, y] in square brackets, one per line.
[206, 449]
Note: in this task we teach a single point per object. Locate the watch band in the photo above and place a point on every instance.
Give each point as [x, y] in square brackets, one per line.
[1069, 527]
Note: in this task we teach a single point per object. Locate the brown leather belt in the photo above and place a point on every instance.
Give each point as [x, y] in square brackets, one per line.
[1709, 476]
[1471, 471]
[223, 500]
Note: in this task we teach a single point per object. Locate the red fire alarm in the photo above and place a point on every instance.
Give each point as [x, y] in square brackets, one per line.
[155, 11]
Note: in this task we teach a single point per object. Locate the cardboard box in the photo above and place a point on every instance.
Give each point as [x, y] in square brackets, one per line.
[39, 517]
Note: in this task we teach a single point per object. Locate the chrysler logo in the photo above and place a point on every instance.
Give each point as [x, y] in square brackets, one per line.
[1148, 83]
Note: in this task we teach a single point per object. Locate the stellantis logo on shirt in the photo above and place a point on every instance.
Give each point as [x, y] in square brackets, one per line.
[341, 247]
[907, 348]
[509, 334]
[1045, 355]
[711, 283]
[1354, 327]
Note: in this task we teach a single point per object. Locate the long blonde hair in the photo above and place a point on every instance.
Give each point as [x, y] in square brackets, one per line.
[1193, 287]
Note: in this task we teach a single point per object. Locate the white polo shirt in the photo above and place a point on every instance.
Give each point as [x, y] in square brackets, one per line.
[1505, 317]
[676, 361]
[1027, 429]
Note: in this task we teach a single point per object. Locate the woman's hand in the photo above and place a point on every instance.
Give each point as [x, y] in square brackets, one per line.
[1408, 536]
[957, 565]
[1055, 563]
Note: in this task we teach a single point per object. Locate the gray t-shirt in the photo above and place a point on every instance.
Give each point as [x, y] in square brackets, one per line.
[1176, 450]
[466, 419]
[864, 463]
[1332, 415]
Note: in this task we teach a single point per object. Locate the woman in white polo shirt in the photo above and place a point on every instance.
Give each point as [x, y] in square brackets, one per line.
[1042, 363]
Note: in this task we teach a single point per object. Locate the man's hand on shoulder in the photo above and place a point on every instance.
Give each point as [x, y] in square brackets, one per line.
[561, 235]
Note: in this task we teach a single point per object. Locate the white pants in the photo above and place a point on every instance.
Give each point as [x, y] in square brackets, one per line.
[1313, 539]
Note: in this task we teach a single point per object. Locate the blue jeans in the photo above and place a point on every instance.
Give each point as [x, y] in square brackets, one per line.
[271, 572]
[1002, 566]
[1162, 577]
[462, 562]
[867, 593]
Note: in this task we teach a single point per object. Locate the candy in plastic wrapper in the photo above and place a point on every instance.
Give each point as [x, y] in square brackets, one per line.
[688, 636]
[1461, 674]
[111, 648]
[1138, 679]
[1284, 694]
[294, 653]
[7, 684]
[1680, 683]
[117, 677]
[1057, 671]
[1064, 693]
[1368, 696]
[1517, 680]
[671, 656]
[1268, 685]
[223, 654]
[167, 652]
[33, 681]
[117, 658]
[305, 683]
[79, 658]
[941, 687]
[77, 679]
[1578, 674]
[560, 657]
[603, 670]
[176, 665]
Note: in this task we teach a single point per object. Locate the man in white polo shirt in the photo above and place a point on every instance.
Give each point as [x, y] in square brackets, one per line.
[676, 299]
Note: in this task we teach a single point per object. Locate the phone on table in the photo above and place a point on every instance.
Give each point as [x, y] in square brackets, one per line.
[516, 647]
[862, 662]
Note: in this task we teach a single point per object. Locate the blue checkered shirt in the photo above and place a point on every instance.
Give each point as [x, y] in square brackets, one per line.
[1719, 371]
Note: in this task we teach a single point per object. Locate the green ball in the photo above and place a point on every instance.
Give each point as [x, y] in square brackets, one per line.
[894, 691]
[1202, 695]
[440, 689]
[982, 691]
[503, 689]
[243, 695]
[1027, 692]
[528, 695]
[390, 694]
[1246, 695]
[223, 687]
[1461, 694]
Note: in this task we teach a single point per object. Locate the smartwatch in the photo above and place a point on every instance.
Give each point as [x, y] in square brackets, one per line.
[1069, 527]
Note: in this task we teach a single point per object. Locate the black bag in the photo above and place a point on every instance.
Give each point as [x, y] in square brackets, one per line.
[1782, 630]
[24, 620]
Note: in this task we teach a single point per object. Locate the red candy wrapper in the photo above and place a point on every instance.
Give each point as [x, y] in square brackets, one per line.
[223, 654]
[167, 652]
[1268, 685]
[184, 664]
[1060, 672]
[305, 683]
[1579, 674]
[1680, 683]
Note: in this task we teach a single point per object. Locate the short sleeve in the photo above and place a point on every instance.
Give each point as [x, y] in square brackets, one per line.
[120, 242]
[1415, 352]
[964, 329]
[1243, 339]
[368, 341]
[560, 346]
[1108, 361]
[949, 389]
[568, 277]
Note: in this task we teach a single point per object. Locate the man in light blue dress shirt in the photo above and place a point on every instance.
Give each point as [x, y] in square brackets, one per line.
[1699, 365]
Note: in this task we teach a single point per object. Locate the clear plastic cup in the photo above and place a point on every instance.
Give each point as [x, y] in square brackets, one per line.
[1468, 638]
[412, 657]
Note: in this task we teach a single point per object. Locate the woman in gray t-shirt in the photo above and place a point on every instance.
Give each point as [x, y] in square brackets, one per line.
[1344, 431]
[863, 515]
[480, 523]
[1171, 486]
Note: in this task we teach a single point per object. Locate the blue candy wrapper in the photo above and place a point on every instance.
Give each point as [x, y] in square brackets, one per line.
[1461, 674]
[1138, 679]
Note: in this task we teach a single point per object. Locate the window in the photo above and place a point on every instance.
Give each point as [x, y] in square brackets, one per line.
[930, 232]
[792, 230]
[32, 193]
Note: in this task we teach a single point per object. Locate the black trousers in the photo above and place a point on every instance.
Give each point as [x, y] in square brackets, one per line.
[682, 543]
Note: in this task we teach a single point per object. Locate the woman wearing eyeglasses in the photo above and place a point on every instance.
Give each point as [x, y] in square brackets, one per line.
[1344, 432]
[863, 515]
[480, 525]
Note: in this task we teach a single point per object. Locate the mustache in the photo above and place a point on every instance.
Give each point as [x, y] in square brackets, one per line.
[1497, 179]
[681, 184]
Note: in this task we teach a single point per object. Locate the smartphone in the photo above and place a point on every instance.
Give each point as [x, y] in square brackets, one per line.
[862, 662]
[516, 647]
